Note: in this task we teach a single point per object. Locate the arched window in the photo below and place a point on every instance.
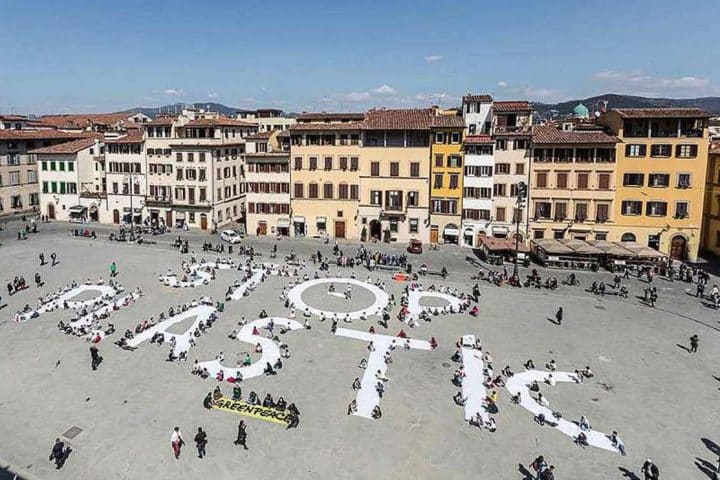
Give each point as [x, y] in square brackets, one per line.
[628, 237]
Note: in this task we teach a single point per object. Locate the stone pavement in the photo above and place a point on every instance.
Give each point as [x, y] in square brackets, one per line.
[658, 396]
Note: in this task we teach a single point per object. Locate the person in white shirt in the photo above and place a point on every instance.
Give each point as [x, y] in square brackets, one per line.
[177, 441]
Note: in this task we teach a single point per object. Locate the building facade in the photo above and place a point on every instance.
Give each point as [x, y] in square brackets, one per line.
[711, 226]
[572, 183]
[325, 175]
[662, 158]
[446, 165]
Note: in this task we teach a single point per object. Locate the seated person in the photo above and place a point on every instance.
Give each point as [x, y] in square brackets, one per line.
[551, 365]
[281, 404]
[268, 401]
[460, 399]
[217, 394]
[581, 439]
[268, 369]
[376, 412]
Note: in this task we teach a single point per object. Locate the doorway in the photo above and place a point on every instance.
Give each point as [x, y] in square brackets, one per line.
[678, 248]
[434, 234]
[116, 216]
[261, 229]
[375, 229]
[339, 229]
[168, 218]
[203, 221]
[51, 211]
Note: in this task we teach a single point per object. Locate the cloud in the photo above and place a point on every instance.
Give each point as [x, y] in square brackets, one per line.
[527, 92]
[173, 92]
[638, 82]
[502, 84]
[433, 58]
[385, 90]
[213, 95]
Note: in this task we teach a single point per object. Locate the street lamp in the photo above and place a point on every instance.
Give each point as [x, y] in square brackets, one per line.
[520, 203]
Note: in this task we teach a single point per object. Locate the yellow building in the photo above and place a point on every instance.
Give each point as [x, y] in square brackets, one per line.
[325, 174]
[711, 226]
[394, 170]
[446, 161]
[662, 157]
[573, 183]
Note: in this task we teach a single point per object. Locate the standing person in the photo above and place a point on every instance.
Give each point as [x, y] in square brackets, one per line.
[559, 316]
[42, 259]
[241, 435]
[694, 341]
[549, 473]
[58, 453]
[539, 466]
[95, 357]
[113, 270]
[53, 258]
[200, 442]
[176, 440]
[650, 470]
[38, 280]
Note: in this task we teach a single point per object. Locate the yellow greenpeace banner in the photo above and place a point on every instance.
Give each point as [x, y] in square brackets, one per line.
[253, 411]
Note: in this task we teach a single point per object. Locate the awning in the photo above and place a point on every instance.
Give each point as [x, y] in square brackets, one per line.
[77, 209]
[453, 232]
[500, 230]
[298, 219]
[283, 222]
[321, 219]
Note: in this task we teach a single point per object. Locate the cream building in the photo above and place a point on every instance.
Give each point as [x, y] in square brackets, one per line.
[325, 174]
[267, 180]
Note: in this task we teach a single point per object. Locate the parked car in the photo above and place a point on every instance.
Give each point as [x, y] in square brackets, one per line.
[230, 236]
[415, 246]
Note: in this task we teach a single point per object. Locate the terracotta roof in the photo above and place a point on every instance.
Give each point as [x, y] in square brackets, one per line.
[219, 122]
[67, 147]
[550, 135]
[480, 139]
[324, 116]
[512, 106]
[284, 134]
[319, 127]
[132, 136]
[13, 117]
[447, 121]
[82, 120]
[165, 121]
[661, 112]
[39, 134]
[398, 119]
[471, 97]
[260, 135]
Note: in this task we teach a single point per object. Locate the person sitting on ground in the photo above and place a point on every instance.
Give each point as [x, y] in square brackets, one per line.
[529, 365]
[459, 398]
[516, 399]
[217, 394]
[581, 439]
[208, 402]
[551, 365]
[352, 407]
[268, 369]
[542, 400]
[281, 404]
[356, 385]
[376, 412]
[268, 401]
[380, 376]
[587, 373]
[220, 375]
[584, 424]
[490, 425]
[550, 380]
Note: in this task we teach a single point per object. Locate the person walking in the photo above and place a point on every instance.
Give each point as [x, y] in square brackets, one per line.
[548, 474]
[38, 280]
[241, 435]
[113, 270]
[539, 465]
[176, 440]
[559, 316]
[42, 259]
[200, 442]
[95, 357]
[53, 258]
[650, 471]
[59, 453]
[694, 341]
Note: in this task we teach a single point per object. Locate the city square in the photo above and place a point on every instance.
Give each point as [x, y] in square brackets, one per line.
[118, 419]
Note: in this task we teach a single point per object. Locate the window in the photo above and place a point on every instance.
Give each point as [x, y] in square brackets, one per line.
[393, 200]
[413, 199]
[343, 191]
[558, 234]
[542, 210]
[661, 150]
[631, 207]
[600, 236]
[297, 163]
[686, 151]
[500, 214]
[580, 212]
[538, 234]
[602, 212]
[14, 178]
[201, 156]
[500, 190]
[658, 180]
[414, 169]
[328, 163]
[520, 144]
[501, 144]
[299, 190]
[375, 169]
[321, 224]
[681, 209]
[354, 192]
[635, 150]
[519, 169]
[502, 168]
[454, 181]
[541, 180]
[53, 166]
[683, 180]
[313, 163]
[603, 181]
[633, 180]
[393, 224]
[343, 163]
[439, 160]
[439, 137]
[560, 211]
[394, 169]
[413, 225]
[562, 180]
[313, 190]
[455, 137]
[438, 180]
[354, 161]
[44, 166]
[582, 181]
[656, 209]
[375, 197]
[454, 161]
[71, 166]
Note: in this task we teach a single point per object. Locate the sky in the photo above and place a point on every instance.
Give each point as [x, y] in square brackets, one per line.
[99, 56]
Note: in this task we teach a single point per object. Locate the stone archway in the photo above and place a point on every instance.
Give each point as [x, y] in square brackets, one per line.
[678, 248]
[375, 229]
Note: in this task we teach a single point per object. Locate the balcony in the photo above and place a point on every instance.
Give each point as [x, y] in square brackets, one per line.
[513, 129]
[16, 159]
